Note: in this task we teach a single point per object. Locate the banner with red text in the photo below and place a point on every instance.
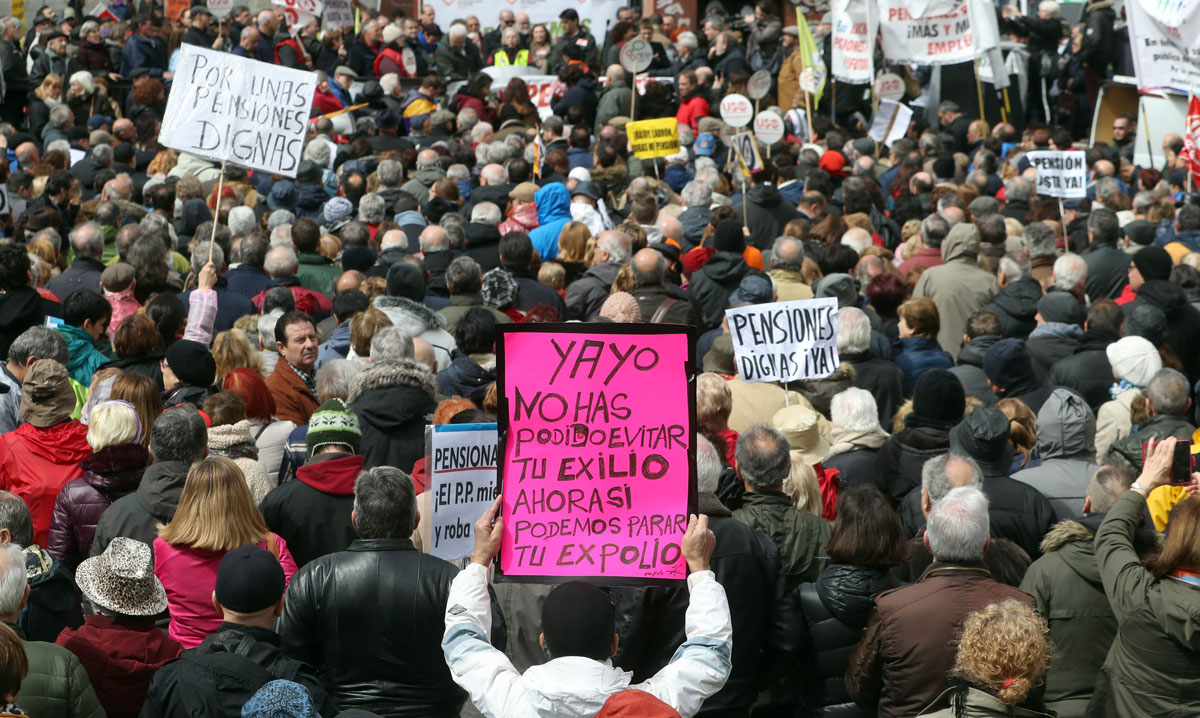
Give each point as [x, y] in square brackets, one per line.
[855, 24]
[939, 32]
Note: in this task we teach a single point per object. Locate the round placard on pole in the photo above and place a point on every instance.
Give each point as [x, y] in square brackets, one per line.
[759, 85]
[736, 110]
[636, 55]
[768, 127]
[889, 86]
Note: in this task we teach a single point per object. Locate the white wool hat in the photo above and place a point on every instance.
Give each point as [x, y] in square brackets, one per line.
[1134, 359]
[390, 33]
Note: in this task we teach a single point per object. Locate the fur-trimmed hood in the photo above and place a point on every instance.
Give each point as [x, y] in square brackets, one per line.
[1065, 532]
[391, 375]
[411, 317]
[232, 440]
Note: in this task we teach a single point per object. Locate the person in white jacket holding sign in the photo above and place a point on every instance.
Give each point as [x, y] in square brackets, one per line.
[577, 630]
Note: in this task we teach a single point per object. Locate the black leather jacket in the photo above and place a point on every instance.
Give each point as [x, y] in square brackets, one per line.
[836, 609]
[371, 619]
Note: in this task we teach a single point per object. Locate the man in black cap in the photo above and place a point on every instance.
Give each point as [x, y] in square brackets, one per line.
[574, 34]
[222, 673]
[1149, 278]
[56, 59]
[200, 33]
[379, 656]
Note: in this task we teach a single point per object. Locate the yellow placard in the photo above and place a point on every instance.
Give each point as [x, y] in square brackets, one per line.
[653, 138]
[18, 11]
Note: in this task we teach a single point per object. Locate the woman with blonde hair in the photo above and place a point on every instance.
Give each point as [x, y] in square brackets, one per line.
[144, 395]
[574, 249]
[1022, 431]
[113, 470]
[46, 97]
[1002, 657]
[232, 350]
[216, 514]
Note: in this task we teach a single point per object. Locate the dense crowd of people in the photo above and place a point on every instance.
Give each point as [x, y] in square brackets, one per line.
[216, 383]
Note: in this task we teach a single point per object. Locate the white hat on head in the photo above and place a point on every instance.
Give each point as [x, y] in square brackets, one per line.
[1134, 359]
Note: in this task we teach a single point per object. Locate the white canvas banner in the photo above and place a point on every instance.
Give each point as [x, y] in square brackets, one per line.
[785, 341]
[462, 480]
[1165, 43]
[593, 15]
[227, 108]
[941, 32]
[855, 24]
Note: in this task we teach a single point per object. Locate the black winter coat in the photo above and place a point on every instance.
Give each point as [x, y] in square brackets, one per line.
[392, 401]
[835, 609]
[900, 460]
[217, 677]
[138, 515]
[1087, 371]
[1108, 270]
[883, 379]
[766, 214]
[371, 619]
[109, 474]
[712, 284]
[312, 512]
[1183, 321]
[651, 620]
[1016, 305]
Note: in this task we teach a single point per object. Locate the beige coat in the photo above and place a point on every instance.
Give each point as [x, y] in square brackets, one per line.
[958, 286]
[1114, 421]
[790, 285]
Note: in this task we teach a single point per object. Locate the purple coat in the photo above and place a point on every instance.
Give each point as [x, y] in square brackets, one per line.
[108, 475]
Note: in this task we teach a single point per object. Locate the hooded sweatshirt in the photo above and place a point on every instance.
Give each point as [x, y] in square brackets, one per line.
[1016, 306]
[418, 320]
[392, 401]
[137, 516]
[958, 286]
[421, 181]
[313, 513]
[553, 212]
[35, 463]
[1066, 441]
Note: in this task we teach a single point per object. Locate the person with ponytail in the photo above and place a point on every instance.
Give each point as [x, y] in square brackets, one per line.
[1002, 659]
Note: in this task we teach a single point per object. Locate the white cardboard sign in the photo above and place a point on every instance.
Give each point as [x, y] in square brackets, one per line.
[462, 482]
[785, 341]
[1060, 174]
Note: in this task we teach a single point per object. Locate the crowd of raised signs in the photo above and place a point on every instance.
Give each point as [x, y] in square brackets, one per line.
[951, 477]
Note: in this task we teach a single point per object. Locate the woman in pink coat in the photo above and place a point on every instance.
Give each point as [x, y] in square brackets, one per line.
[215, 515]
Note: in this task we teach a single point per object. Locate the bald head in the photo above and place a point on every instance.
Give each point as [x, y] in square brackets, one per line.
[493, 174]
[433, 239]
[349, 279]
[1104, 168]
[426, 158]
[649, 268]
[27, 154]
[670, 227]
[857, 239]
[123, 130]
[787, 253]
[423, 354]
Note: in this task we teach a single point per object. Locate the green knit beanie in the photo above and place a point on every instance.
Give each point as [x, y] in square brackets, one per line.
[333, 424]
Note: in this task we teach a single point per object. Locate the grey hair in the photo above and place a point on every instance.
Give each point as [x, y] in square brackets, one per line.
[688, 40]
[787, 253]
[281, 262]
[1039, 240]
[102, 155]
[1106, 187]
[385, 506]
[334, 377]
[457, 30]
[391, 344]
[697, 193]
[1018, 188]
[463, 276]
[394, 238]
[854, 409]
[1144, 200]
[1168, 393]
[1070, 271]
[200, 256]
[1107, 485]
[179, 435]
[958, 526]
[498, 153]
[280, 217]
[486, 213]
[317, 151]
[281, 235]
[935, 477]
[494, 174]
[13, 580]
[763, 457]
[59, 116]
[853, 331]
[62, 146]
[616, 244]
[425, 161]
[15, 516]
[371, 208]
[1104, 225]
[465, 120]
[458, 173]
[708, 466]
[38, 343]
[934, 229]
[710, 176]
[51, 234]
[88, 240]
[481, 130]
[653, 278]
[241, 221]
[390, 173]
[266, 328]
[1014, 266]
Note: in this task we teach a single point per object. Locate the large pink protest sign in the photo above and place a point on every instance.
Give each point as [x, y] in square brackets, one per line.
[597, 445]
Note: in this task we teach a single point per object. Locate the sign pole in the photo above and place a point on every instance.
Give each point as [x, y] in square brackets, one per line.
[1061, 214]
[892, 121]
[632, 98]
[1187, 128]
[213, 239]
[833, 100]
[979, 89]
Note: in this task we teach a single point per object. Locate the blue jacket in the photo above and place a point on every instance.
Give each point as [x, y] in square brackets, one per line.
[85, 357]
[579, 157]
[553, 211]
[338, 346]
[141, 51]
[917, 355]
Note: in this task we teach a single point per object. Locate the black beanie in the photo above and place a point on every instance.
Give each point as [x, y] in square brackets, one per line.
[578, 619]
[249, 579]
[938, 399]
[406, 280]
[1153, 263]
[192, 363]
[729, 236]
[983, 436]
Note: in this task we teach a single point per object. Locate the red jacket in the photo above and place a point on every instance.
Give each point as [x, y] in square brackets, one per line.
[120, 656]
[326, 102]
[462, 100]
[690, 112]
[394, 62]
[307, 300]
[36, 463]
